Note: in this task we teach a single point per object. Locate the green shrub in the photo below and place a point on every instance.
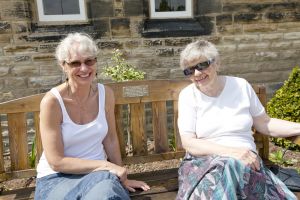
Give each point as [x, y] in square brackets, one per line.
[286, 105]
[121, 70]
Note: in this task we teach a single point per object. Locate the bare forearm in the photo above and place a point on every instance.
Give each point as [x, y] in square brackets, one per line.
[80, 166]
[199, 147]
[282, 128]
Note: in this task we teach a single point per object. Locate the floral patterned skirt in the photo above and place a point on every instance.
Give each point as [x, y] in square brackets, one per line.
[216, 177]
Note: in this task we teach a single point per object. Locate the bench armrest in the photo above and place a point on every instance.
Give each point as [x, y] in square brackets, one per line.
[295, 139]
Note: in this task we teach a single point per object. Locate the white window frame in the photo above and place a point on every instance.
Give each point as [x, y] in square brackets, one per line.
[52, 18]
[173, 14]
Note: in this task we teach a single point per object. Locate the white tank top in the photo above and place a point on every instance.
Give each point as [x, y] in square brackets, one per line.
[80, 141]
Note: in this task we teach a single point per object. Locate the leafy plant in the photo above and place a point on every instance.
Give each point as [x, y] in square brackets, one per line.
[121, 70]
[286, 105]
[278, 158]
[32, 154]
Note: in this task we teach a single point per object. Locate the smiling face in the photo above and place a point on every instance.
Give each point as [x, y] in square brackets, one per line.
[205, 77]
[201, 58]
[80, 67]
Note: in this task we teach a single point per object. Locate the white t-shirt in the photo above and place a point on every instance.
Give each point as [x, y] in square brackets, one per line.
[226, 119]
[80, 141]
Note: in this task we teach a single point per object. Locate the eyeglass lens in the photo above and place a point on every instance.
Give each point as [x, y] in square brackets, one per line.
[87, 62]
[200, 66]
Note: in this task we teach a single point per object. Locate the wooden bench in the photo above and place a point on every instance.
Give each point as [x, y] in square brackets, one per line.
[145, 109]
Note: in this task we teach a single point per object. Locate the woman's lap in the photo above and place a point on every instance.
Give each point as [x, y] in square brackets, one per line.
[214, 177]
[95, 185]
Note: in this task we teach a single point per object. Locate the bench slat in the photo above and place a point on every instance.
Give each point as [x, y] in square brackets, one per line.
[159, 123]
[17, 131]
[137, 125]
[120, 128]
[1, 150]
[38, 139]
[175, 127]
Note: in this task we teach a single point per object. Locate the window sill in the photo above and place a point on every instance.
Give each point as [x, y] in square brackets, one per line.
[154, 28]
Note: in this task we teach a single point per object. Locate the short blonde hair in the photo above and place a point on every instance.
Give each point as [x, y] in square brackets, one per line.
[86, 46]
[196, 50]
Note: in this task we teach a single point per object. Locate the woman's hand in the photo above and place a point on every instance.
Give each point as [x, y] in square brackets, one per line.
[132, 184]
[121, 172]
[246, 156]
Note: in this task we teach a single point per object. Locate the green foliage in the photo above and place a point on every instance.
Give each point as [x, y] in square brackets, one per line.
[121, 70]
[286, 105]
[278, 158]
[32, 155]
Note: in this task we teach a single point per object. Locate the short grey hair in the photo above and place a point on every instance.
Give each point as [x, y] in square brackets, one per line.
[86, 46]
[196, 50]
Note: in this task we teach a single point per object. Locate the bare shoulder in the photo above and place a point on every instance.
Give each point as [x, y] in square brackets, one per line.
[109, 98]
[49, 103]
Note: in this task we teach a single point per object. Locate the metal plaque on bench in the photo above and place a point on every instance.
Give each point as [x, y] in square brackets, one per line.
[136, 91]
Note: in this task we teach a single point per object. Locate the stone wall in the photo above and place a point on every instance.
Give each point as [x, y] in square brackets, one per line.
[258, 40]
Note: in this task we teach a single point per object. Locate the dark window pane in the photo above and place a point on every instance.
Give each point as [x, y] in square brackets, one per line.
[169, 5]
[70, 7]
[52, 7]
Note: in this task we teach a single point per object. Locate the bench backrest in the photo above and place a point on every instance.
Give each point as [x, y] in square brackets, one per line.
[146, 120]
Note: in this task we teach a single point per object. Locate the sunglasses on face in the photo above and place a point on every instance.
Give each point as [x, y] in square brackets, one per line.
[200, 66]
[88, 62]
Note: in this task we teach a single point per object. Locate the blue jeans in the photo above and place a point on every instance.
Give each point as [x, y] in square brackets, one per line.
[96, 185]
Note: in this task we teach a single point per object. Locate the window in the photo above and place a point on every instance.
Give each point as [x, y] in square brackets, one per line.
[61, 10]
[170, 9]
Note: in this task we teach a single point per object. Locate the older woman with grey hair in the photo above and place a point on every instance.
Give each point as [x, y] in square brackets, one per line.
[81, 158]
[215, 117]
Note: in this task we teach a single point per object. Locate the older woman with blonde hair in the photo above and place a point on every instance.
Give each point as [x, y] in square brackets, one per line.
[81, 158]
[215, 117]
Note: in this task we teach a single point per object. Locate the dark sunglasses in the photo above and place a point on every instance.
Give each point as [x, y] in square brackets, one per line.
[88, 62]
[200, 66]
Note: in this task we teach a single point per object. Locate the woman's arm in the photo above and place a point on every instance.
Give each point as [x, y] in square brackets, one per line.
[50, 124]
[275, 127]
[200, 147]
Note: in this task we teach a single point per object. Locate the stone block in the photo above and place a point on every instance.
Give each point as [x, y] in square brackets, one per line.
[22, 59]
[47, 48]
[281, 45]
[49, 69]
[131, 44]
[101, 8]
[224, 19]
[177, 42]
[43, 58]
[4, 71]
[288, 27]
[20, 49]
[253, 46]
[271, 36]
[133, 7]
[247, 17]
[259, 28]
[15, 83]
[120, 27]
[284, 6]
[102, 27]
[30, 70]
[165, 52]
[234, 29]
[136, 26]
[6, 61]
[241, 38]
[20, 27]
[15, 10]
[110, 45]
[292, 36]
[44, 81]
[208, 6]
[153, 42]
[5, 38]
[160, 73]
[265, 77]
[5, 27]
